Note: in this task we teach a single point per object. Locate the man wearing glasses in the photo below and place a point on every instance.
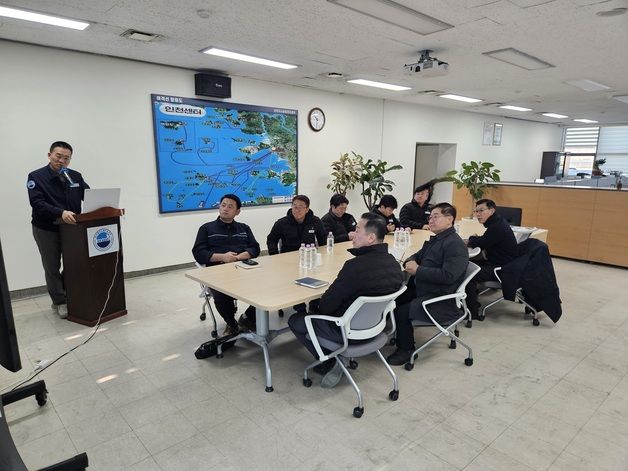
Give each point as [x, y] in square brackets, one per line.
[54, 192]
[437, 269]
[498, 244]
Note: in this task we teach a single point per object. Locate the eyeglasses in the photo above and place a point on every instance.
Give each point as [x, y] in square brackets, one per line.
[481, 210]
[300, 208]
[435, 216]
[65, 158]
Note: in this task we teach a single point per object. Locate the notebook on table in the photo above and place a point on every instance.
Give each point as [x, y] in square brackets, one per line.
[311, 282]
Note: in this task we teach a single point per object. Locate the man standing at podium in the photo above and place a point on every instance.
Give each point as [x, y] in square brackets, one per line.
[54, 192]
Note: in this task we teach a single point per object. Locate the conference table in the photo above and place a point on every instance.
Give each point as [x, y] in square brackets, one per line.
[271, 285]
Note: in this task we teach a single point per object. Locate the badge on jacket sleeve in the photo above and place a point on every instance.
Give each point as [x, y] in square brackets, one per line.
[30, 184]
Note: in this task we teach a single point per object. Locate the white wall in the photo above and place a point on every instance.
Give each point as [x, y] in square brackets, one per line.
[102, 107]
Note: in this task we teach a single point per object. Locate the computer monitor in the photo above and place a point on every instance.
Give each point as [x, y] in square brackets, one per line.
[9, 352]
[512, 215]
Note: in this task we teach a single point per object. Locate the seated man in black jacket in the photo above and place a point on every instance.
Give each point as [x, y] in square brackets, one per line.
[415, 214]
[498, 243]
[372, 272]
[437, 269]
[225, 241]
[298, 226]
[338, 221]
[386, 208]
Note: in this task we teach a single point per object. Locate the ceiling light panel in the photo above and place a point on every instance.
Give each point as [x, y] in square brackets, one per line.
[623, 98]
[246, 58]
[555, 115]
[460, 98]
[515, 108]
[395, 14]
[588, 85]
[387, 86]
[587, 121]
[518, 58]
[42, 18]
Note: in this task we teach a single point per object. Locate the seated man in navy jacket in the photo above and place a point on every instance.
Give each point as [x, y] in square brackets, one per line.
[437, 269]
[372, 272]
[498, 243]
[225, 241]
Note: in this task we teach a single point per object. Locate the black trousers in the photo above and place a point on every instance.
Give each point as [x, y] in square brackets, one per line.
[486, 273]
[226, 307]
[325, 329]
[49, 245]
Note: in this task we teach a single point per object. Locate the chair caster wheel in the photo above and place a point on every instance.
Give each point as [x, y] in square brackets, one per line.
[392, 341]
[203, 316]
[535, 322]
[409, 366]
[468, 361]
[481, 317]
[41, 398]
[469, 324]
[219, 355]
[393, 395]
[353, 365]
[452, 344]
[269, 389]
[280, 312]
[307, 382]
[214, 334]
[357, 412]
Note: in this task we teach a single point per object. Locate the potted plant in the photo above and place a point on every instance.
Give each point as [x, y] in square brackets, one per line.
[476, 177]
[597, 171]
[374, 183]
[346, 173]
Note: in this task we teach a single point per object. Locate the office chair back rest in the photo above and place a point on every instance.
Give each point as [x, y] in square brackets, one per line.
[512, 215]
[472, 270]
[366, 317]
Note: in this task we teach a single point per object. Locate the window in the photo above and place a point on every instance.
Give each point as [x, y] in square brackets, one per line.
[581, 144]
[613, 146]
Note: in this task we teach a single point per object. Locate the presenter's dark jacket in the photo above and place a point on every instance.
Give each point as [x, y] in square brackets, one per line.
[292, 234]
[50, 194]
[443, 262]
[373, 272]
[221, 237]
[498, 241]
[392, 219]
[339, 226]
[414, 216]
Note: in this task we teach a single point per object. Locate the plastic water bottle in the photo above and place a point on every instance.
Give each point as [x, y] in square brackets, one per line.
[406, 238]
[330, 242]
[396, 239]
[302, 256]
[311, 256]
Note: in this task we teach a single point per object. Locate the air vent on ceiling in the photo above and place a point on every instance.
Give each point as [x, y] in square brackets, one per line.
[430, 92]
[139, 35]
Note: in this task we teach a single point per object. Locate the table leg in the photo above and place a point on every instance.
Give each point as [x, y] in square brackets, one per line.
[261, 321]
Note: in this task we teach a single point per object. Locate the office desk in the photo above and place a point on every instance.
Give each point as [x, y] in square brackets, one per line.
[468, 227]
[271, 286]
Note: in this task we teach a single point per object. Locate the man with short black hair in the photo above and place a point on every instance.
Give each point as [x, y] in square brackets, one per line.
[436, 270]
[226, 241]
[416, 213]
[372, 272]
[386, 208]
[498, 243]
[54, 192]
[337, 221]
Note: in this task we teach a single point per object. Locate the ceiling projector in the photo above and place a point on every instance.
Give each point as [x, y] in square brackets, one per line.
[427, 66]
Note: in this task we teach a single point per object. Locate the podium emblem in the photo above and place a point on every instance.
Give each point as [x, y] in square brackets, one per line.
[102, 240]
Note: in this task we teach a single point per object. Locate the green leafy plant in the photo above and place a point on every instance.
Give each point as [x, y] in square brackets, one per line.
[346, 173]
[476, 177]
[374, 183]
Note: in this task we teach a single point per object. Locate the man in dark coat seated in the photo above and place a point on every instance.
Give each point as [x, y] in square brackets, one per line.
[415, 214]
[437, 269]
[498, 244]
[338, 221]
[372, 272]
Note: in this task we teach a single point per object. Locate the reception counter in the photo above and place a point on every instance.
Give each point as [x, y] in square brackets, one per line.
[583, 223]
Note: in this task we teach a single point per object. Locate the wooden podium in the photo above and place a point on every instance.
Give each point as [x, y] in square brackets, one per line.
[87, 278]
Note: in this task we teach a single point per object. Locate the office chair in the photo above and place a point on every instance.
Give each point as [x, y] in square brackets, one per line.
[497, 285]
[365, 321]
[206, 295]
[449, 329]
[512, 215]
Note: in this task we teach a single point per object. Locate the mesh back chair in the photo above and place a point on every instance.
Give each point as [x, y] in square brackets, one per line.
[365, 321]
[497, 285]
[512, 215]
[449, 329]
[206, 295]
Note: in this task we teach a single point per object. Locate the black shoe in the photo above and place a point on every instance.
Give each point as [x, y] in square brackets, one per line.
[246, 324]
[324, 367]
[400, 357]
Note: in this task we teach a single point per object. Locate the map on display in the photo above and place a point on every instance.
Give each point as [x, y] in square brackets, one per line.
[205, 149]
